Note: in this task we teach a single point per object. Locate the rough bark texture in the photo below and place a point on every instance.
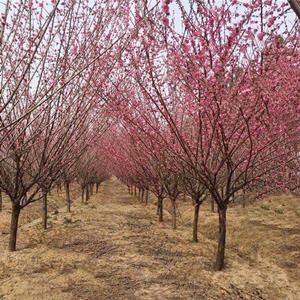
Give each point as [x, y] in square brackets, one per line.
[222, 239]
[15, 213]
[196, 221]
[147, 197]
[97, 187]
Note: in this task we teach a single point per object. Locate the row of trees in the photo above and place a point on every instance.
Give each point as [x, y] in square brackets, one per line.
[210, 109]
[205, 102]
[55, 61]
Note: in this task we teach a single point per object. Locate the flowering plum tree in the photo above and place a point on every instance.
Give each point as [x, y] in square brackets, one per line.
[225, 85]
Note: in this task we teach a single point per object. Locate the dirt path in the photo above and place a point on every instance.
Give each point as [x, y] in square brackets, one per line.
[113, 248]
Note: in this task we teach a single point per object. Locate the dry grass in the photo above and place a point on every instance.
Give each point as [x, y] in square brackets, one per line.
[113, 248]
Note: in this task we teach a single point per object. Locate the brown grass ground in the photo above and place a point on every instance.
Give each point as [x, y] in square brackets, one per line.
[113, 248]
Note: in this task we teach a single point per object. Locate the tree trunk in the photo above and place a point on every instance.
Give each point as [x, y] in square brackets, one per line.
[134, 190]
[139, 194]
[143, 193]
[68, 196]
[222, 239]
[82, 193]
[244, 199]
[196, 221]
[1, 200]
[97, 187]
[212, 205]
[173, 214]
[91, 189]
[147, 197]
[45, 210]
[87, 193]
[160, 209]
[15, 213]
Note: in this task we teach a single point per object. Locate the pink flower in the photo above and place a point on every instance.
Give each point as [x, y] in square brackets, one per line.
[165, 21]
[261, 36]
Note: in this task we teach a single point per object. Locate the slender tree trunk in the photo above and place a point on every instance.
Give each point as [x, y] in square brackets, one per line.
[134, 190]
[45, 210]
[147, 197]
[212, 205]
[174, 226]
[143, 193]
[196, 221]
[160, 209]
[87, 193]
[15, 213]
[92, 189]
[1, 200]
[222, 239]
[139, 194]
[67, 186]
[82, 193]
[244, 199]
[97, 187]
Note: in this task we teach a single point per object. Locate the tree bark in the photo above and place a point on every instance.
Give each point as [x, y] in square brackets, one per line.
[143, 193]
[45, 210]
[97, 187]
[68, 196]
[15, 213]
[174, 225]
[196, 221]
[147, 197]
[160, 209]
[1, 200]
[134, 190]
[222, 239]
[212, 205]
[139, 194]
[91, 189]
[87, 193]
[82, 193]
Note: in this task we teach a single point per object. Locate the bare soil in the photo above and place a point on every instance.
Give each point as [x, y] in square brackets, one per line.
[114, 248]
